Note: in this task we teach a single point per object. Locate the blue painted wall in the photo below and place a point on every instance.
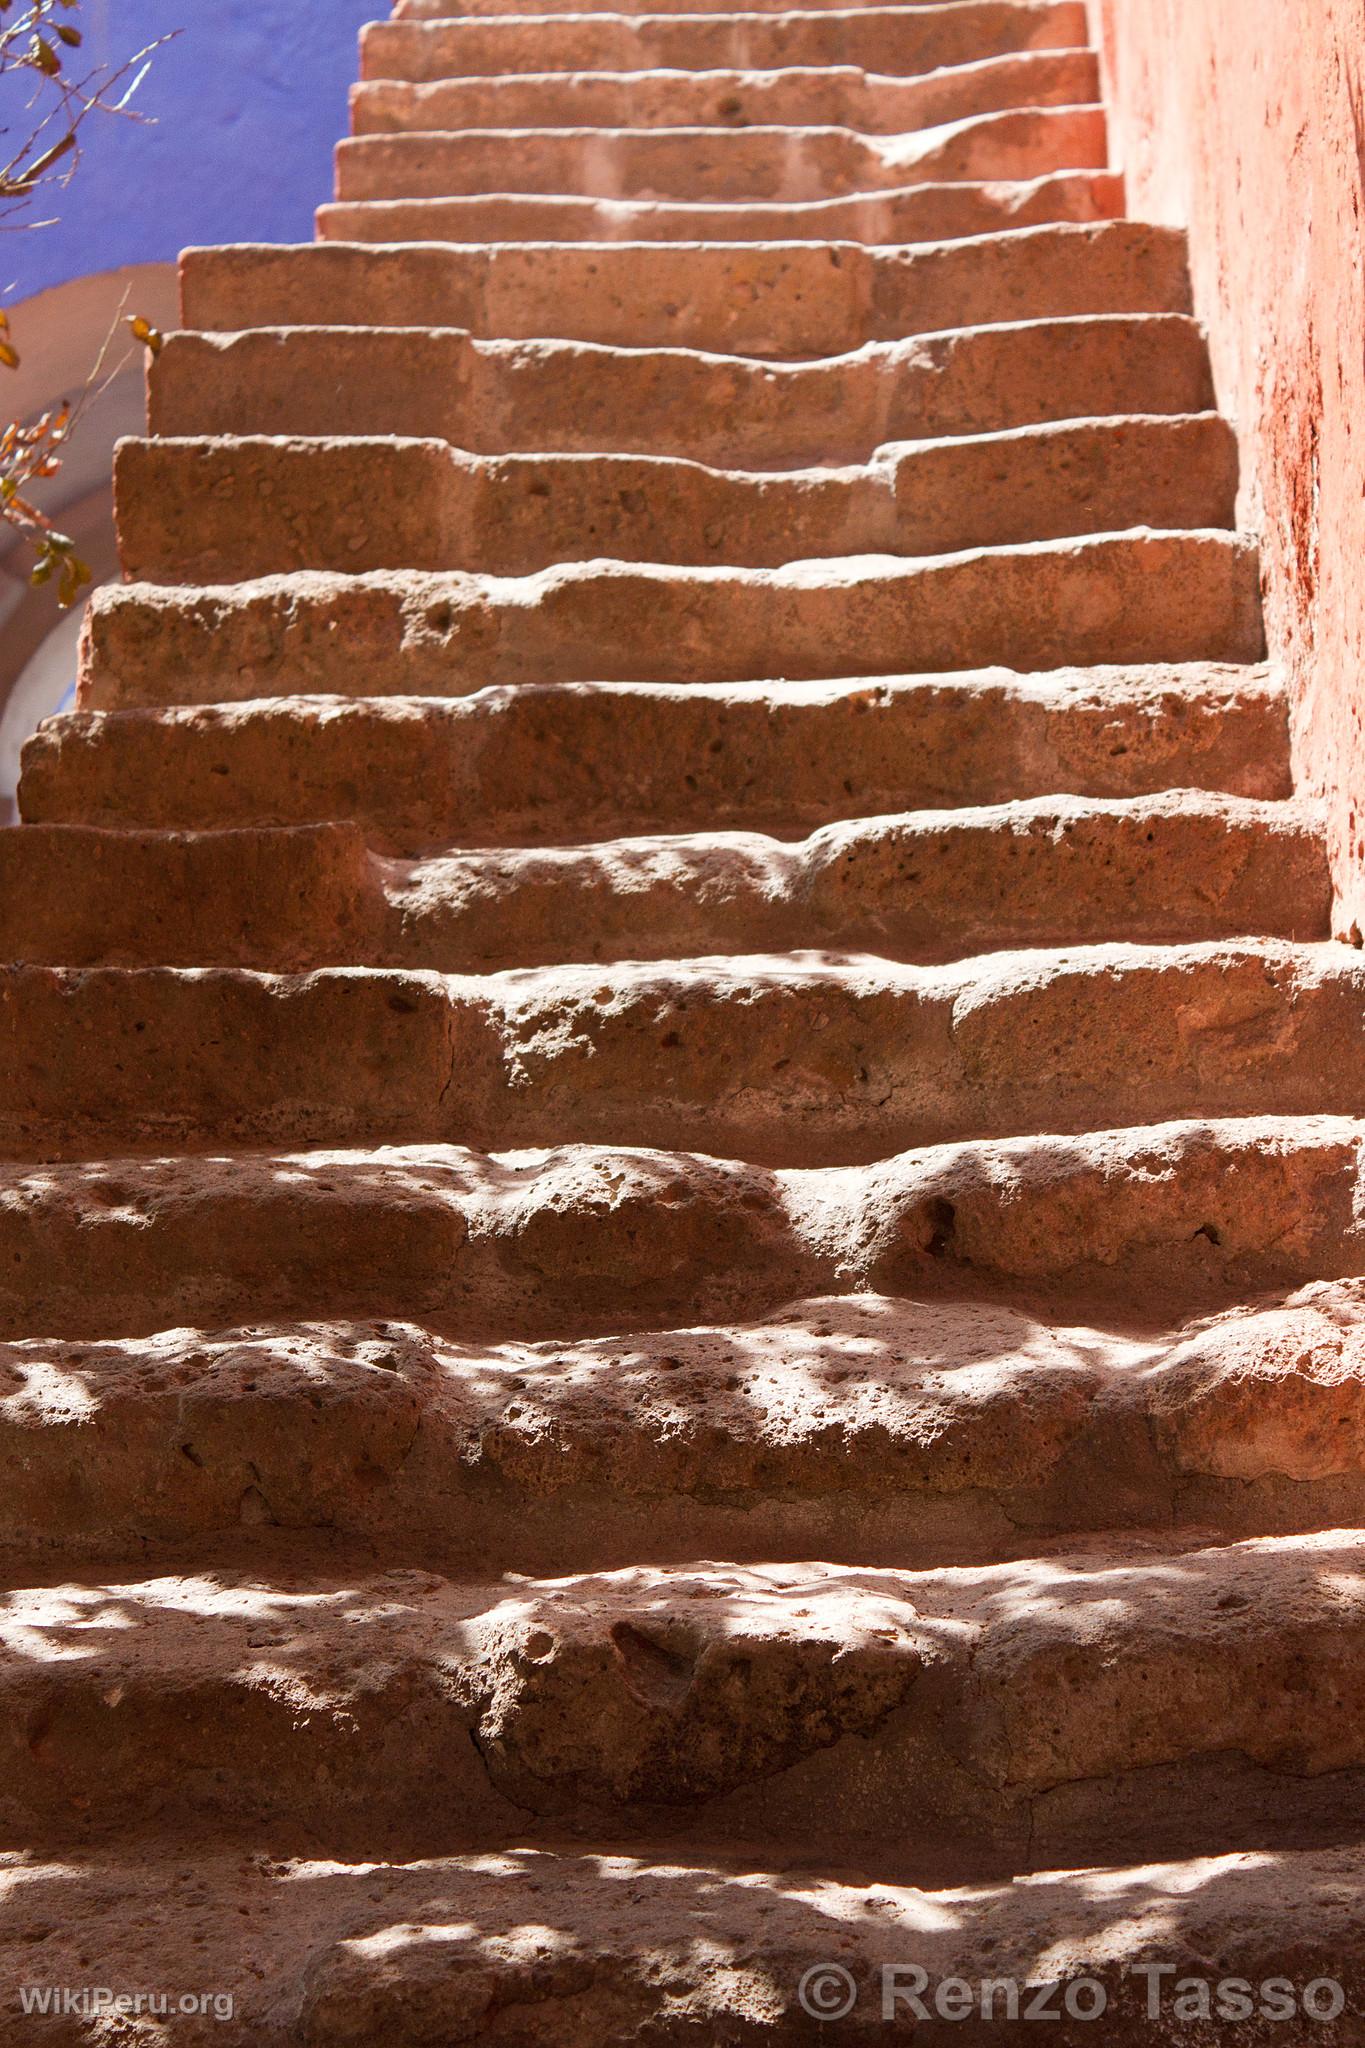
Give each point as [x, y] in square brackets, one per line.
[249, 101]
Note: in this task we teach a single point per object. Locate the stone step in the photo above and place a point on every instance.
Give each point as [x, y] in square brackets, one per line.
[837, 95]
[499, 398]
[221, 511]
[927, 886]
[1128, 597]
[991, 1708]
[915, 213]
[408, 1954]
[788, 1060]
[844, 1427]
[771, 300]
[778, 165]
[1147, 1225]
[898, 40]
[555, 762]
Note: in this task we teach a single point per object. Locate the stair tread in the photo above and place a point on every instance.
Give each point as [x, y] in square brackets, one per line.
[925, 887]
[753, 163]
[845, 1427]
[218, 509]
[791, 1060]
[901, 40]
[562, 395]
[807, 299]
[869, 102]
[1163, 1220]
[546, 763]
[588, 1941]
[288, 1689]
[913, 213]
[1140, 596]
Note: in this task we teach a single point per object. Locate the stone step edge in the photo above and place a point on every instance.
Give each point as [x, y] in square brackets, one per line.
[1152, 1223]
[375, 96]
[1017, 143]
[791, 1062]
[935, 1704]
[636, 1920]
[1184, 868]
[422, 773]
[231, 507]
[1096, 196]
[1183, 596]
[961, 1432]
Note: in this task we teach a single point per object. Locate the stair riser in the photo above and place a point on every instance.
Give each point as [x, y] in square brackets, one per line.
[924, 213]
[506, 1461]
[794, 299]
[1156, 1222]
[896, 41]
[492, 399]
[405, 1709]
[783, 166]
[839, 96]
[817, 1067]
[913, 889]
[547, 764]
[221, 512]
[1129, 598]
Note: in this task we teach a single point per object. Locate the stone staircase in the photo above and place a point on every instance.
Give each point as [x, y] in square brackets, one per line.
[683, 1188]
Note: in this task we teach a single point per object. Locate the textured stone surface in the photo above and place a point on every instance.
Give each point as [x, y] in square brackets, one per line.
[764, 297]
[922, 886]
[680, 1185]
[586, 1240]
[216, 511]
[546, 762]
[583, 1944]
[897, 40]
[1131, 597]
[915, 213]
[840, 1424]
[835, 95]
[792, 1060]
[746, 164]
[1243, 120]
[496, 397]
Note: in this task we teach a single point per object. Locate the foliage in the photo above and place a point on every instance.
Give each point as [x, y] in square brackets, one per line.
[42, 68]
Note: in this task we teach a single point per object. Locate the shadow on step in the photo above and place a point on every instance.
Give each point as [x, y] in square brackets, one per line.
[617, 1946]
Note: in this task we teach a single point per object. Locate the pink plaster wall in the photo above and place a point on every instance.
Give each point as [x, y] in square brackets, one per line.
[1244, 121]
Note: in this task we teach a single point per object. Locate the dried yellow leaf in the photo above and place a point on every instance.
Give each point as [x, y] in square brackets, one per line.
[143, 331]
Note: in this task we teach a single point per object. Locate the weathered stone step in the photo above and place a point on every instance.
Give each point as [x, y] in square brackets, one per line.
[440, 1949]
[1152, 1223]
[927, 886]
[845, 1427]
[897, 40]
[553, 762]
[772, 300]
[220, 511]
[798, 1060]
[981, 1707]
[779, 165]
[915, 213]
[838, 95]
[1130, 597]
[498, 398]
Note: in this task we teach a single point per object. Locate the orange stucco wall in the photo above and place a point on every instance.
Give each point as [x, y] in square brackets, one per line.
[1244, 121]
